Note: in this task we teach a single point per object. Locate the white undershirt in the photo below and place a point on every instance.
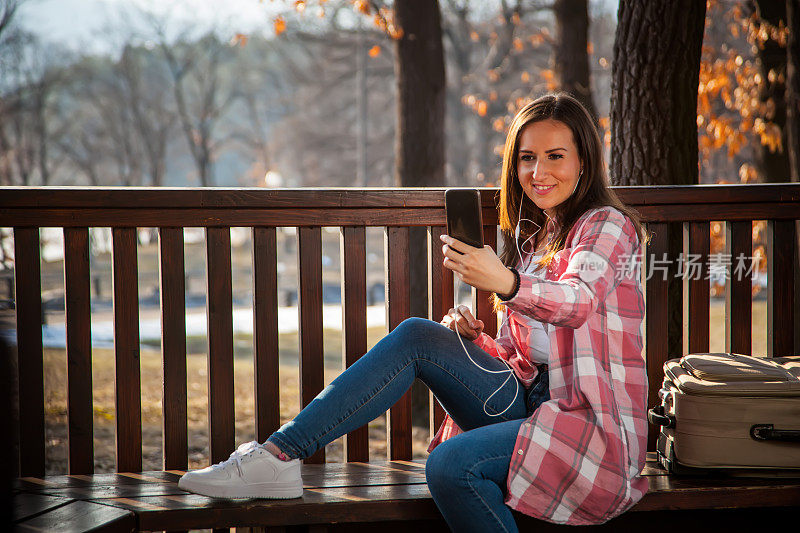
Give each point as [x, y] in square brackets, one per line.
[540, 341]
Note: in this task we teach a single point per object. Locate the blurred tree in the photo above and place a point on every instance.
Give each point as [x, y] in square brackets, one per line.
[201, 96]
[7, 12]
[29, 117]
[420, 78]
[144, 80]
[793, 88]
[492, 59]
[740, 109]
[571, 58]
[771, 15]
[310, 77]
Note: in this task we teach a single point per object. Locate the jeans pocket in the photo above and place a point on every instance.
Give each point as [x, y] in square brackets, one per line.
[539, 392]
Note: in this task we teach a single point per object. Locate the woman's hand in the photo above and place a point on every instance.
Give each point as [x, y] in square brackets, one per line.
[479, 267]
[460, 319]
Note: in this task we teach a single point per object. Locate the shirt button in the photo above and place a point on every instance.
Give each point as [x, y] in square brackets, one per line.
[519, 452]
[526, 424]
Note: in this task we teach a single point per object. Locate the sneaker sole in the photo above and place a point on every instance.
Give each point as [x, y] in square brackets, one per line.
[254, 490]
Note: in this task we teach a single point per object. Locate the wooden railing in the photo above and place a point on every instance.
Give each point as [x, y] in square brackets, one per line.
[688, 210]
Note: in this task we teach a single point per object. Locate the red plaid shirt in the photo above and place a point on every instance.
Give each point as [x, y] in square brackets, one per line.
[579, 456]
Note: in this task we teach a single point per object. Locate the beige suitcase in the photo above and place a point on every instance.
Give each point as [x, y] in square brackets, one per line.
[729, 413]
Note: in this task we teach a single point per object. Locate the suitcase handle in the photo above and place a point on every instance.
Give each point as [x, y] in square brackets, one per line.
[768, 432]
[657, 417]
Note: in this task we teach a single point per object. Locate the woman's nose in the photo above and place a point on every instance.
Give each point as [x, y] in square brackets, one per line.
[536, 169]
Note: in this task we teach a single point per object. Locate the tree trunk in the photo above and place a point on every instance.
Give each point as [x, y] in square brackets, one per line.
[419, 69]
[773, 166]
[419, 138]
[793, 133]
[654, 92]
[654, 118]
[571, 50]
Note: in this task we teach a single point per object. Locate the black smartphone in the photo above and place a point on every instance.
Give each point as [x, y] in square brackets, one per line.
[464, 220]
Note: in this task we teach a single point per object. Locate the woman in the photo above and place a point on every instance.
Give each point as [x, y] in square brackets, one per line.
[571, 447]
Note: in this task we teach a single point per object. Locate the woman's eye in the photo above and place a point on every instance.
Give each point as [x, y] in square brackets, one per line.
[527, 158]
[556, 156]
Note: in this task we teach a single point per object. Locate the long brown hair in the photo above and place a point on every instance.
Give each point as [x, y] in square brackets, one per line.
[592, 191]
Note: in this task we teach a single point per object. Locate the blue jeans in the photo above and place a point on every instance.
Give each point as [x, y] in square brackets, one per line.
[466, 474]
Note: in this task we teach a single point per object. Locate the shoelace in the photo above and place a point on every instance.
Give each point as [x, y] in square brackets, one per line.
[236, 456]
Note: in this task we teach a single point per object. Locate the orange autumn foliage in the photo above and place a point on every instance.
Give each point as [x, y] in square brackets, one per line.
[280, 25]
[737, 83]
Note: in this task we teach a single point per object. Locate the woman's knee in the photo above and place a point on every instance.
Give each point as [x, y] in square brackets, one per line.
[410, 338]
[443, 469]
[418, 327]
[418, 331]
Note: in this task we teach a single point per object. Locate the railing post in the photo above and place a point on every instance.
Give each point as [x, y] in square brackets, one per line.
[696, 297]
[397, 310]
[219, 312]
[656, 318]
[309, 304]
[353, 255]
[77, 319]
[738, 292]
[172, 290]
[27, 274]
[780, 289]
[126, 348]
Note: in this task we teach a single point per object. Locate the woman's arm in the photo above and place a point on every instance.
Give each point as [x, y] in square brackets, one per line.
[593, 270]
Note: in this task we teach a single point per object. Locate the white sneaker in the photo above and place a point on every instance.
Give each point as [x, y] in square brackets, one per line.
[250, 472]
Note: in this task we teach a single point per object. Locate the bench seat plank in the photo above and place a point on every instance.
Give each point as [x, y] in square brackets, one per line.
[81, 516]
[25, 506]
[364, 492]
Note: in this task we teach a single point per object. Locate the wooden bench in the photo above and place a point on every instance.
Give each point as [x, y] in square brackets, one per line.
[362, 493]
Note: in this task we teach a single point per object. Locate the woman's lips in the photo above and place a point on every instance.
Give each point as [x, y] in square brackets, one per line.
[542, 192]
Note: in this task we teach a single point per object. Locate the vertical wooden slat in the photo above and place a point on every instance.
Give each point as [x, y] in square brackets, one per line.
[675, 289]
[398, 308]
[28, 290]
[739, 288]
[696, 301]
[173, 347]
[354, 321]
[126, 348]
[440, 300]
[79, 350]
[781, 243]
[265, 331]
[309, 261]
[656, 315]
[482, 302]
[219, 312]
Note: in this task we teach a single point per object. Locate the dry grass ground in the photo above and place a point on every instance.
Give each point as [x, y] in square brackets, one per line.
[103, 393]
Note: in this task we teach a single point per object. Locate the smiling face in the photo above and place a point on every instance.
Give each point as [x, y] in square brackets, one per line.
[548, 164]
